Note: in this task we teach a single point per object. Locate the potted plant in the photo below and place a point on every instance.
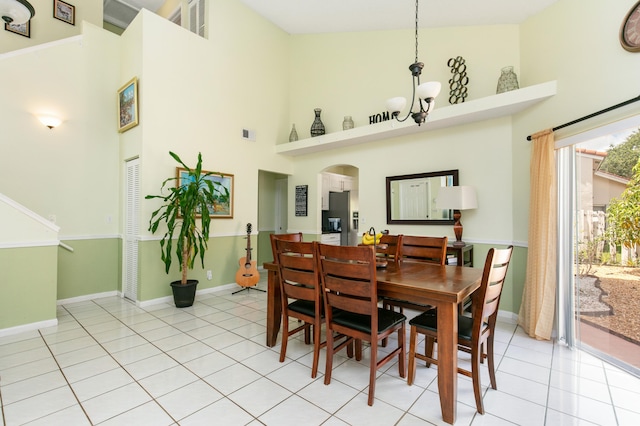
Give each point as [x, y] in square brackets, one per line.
[190, 199]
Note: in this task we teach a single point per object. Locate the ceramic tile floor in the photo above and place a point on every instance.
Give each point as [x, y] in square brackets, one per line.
[109, 362]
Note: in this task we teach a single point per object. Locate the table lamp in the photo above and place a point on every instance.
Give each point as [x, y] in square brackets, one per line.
[457, 198]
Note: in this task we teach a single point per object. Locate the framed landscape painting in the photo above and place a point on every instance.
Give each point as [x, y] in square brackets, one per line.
[128, 105]
[222, 207]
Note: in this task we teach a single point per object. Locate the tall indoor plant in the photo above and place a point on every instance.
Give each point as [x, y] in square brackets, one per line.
[191, 195]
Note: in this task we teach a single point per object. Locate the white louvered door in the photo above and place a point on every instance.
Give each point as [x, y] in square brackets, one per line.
[131, 229]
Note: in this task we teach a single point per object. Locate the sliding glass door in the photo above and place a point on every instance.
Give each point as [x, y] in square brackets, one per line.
[598, 256]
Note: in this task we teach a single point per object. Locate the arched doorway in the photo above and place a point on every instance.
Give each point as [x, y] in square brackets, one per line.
[340, 201]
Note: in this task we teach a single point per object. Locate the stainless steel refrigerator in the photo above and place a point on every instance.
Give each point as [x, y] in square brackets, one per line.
[340, 206]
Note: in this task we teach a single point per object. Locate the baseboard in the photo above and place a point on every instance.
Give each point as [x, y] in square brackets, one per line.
[508, 316]
[87, 297]
[28, 327]
[169, 299]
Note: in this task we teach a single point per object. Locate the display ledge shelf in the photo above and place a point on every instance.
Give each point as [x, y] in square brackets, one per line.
[501, 105]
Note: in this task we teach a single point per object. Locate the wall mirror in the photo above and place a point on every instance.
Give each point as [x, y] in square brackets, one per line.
[411, 199]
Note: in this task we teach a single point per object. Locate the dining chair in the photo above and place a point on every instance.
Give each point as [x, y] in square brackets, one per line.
[286, 237]
[418, 249]
[474, 331]
[424, 249]
[389, 247]
[300, 294]
[349, 288]
[297, 236]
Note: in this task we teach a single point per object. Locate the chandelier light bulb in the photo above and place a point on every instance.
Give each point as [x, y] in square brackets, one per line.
[396, 105]
[430, 89]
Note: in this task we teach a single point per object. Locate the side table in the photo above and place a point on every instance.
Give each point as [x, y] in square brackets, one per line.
[464, 254]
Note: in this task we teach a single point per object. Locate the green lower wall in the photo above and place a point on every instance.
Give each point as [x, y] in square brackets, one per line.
[27, 285]
[264, 248]
[93, 267]
[518, 270]
[221, 259]
[34, 278]
[512, 291]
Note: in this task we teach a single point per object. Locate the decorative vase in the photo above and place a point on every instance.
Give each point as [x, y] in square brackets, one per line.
[508, 80]
[317, 128]
[347, 123]
[293, 136]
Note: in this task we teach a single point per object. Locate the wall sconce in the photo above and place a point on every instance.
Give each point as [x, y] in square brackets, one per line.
[457, 198]
[50, 121]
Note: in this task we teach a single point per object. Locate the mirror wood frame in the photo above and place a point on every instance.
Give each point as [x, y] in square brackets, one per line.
[390, 179]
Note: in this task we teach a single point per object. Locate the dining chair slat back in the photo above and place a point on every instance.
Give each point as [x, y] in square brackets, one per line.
[474, 332]
[301, 296]
[418, 249]
[389, 247]
[297, 237]
[349, 287]
[424, 249]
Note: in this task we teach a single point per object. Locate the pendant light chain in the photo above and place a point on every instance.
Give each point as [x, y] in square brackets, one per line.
[426, 93]
[416, 32]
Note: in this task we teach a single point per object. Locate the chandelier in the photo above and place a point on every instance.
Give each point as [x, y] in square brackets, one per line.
[426, 92]
[16, 11]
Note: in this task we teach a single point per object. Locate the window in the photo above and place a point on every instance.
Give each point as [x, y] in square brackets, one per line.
[176, 16]
[598, 275]
[196, 17]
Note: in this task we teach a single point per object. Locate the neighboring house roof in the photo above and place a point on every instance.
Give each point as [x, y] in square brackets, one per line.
[591, 152]
[611, 176]
[598, 157]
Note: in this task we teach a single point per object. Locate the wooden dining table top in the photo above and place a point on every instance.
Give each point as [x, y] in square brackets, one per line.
[427, 283]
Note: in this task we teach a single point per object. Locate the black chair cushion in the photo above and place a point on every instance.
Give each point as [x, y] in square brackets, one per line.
[429, 320]
[386, 320]
[305, 307]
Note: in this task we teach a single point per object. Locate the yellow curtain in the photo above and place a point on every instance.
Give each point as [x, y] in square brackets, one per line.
[538, 299]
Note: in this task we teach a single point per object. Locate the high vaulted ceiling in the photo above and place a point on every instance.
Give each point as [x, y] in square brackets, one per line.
[322, 16]
[121, 12]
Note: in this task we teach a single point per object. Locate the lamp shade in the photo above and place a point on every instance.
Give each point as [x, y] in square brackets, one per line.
[396, 104]
[16, 11]
[430, 89]
[457, 198]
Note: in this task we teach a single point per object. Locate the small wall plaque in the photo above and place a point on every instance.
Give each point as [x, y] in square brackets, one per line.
[301, 199]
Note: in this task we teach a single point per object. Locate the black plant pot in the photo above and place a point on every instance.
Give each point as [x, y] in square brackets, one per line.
[184, 295]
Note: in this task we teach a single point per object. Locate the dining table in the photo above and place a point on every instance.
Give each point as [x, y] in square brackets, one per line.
[444, 287]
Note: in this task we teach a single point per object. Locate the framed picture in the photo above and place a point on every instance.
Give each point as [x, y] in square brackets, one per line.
[22, 29]
[128, 105]
[222, 207]
[64, 12]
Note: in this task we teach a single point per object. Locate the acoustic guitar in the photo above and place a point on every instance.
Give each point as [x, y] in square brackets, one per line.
[247, 275]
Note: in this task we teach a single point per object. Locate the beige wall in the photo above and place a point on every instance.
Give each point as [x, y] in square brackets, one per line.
[70, 172]
[216, 90]
[354, 73]
[575, 42]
